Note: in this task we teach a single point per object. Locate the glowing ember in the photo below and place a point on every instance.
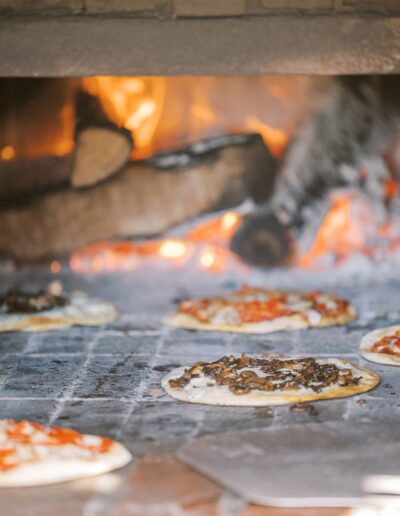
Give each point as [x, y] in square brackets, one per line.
[214, 259]
[391, 189]
[172, 249]
[207, 243]
[229, 221]
[216, 231]
[207, 259]
[341, 232]
[7, 152]
[55, 266]
[352, 225]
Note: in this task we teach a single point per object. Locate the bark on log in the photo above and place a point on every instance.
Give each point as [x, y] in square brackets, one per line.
[22, 179]
[141, 200]
[102, 147]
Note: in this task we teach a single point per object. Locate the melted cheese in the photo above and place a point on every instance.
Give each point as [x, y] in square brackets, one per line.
[32, 455]
[80, 310]
[205, 390]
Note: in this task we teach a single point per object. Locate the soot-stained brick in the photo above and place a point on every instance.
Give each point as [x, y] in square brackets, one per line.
[94, 416]
[41, 376]
[112, 377]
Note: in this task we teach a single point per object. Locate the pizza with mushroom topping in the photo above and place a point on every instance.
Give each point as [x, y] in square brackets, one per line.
[32, 455]
[258, 310]
[267, 381]
[47, 310]
[382, 346]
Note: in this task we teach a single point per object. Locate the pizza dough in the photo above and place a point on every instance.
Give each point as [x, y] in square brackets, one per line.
[250, 381]
[257, 310]
[382, 346]
[78, 309]
[31, 455]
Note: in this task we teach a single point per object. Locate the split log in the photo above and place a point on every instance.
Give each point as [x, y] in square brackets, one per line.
[142, 200]
[102, 147]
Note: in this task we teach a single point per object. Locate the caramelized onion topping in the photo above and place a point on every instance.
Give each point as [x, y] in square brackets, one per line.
[15, 301]
[241, 376]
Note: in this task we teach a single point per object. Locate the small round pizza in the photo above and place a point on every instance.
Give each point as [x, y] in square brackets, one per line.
[32, 455]
[257, 310]
[251, 381]
[382, 346]
[45, 310]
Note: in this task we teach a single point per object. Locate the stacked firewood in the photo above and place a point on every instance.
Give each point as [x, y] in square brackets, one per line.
[52, 204]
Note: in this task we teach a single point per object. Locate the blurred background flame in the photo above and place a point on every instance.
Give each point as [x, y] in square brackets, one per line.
[38, 115]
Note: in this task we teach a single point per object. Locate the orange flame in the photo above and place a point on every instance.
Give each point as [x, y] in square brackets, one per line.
[213, 259]
[276, 139]
[133, 102]
[217, 231]
[162, 112]
[342, 232]
[7, 152]
[167, 112]
[208, 241]
[55, 266]
[172, 249]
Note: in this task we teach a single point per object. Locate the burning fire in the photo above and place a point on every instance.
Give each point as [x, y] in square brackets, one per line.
[7, 152]
[350, 226]
[340, 233]
[276, 139]
[136, 103]
[167, 112]
[216, 231]
[172, 249]
[207, 243]
[162, 112]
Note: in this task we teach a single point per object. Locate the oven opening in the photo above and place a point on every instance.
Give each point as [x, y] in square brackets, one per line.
[218, 173]
[199, 255]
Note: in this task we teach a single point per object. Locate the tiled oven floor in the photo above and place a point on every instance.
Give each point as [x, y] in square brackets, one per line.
[107, 380]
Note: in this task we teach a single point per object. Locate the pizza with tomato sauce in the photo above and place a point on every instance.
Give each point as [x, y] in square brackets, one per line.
[32, 455]
[382, 346]
[258, 310]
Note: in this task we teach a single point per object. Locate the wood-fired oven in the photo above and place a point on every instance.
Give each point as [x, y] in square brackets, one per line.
[157, 150]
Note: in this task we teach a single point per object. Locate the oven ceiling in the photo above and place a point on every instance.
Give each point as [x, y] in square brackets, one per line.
[216, 37]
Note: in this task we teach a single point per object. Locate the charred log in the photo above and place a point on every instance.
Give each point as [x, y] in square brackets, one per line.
[22, 179]
[341, 144]
[141, 200]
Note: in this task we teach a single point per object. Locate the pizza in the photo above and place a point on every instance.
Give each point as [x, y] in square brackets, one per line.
[251, 381]
[258, 310]
[382, 346]
[45, 310]
[32, 455]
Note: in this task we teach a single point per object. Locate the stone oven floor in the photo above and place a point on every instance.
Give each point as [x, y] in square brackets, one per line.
[107, 381]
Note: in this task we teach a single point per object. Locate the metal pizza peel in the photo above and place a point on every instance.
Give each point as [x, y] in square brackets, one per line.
[307, 465]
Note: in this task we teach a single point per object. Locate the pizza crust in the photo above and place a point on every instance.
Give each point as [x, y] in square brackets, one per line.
[221, 395]
[371, 338]
[289, 322]
[80, 310]
[61, 469]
